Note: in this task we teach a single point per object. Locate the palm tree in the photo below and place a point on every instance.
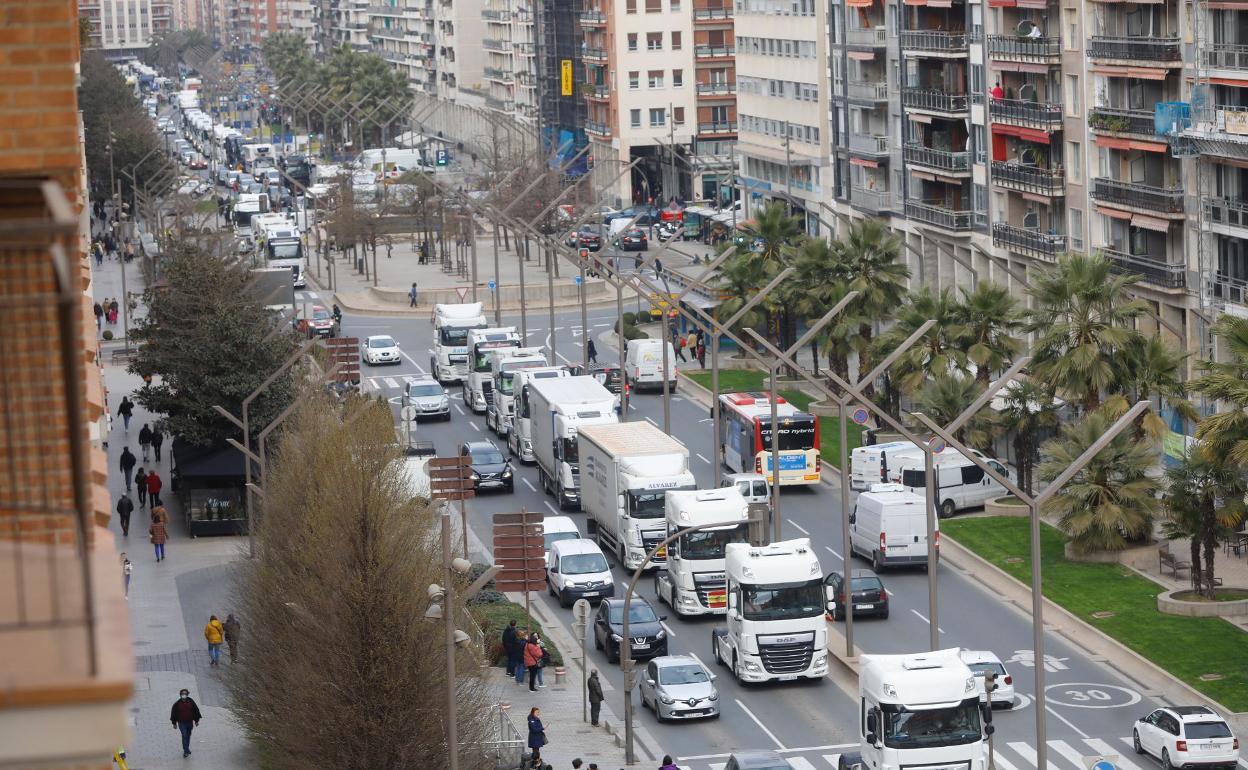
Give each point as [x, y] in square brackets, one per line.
[1083, 318]
[1206, 501]
[870, 258]
[989, 316]
[813, 290]
[1111, 501]
[1027, 409]
[739, 278]
[1225, 433]
[946, 397]
[771, 236]
[1150, 367]
[938, 352]
[774, 231]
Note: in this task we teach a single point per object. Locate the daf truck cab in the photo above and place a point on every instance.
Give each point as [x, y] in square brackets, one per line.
[451, 324]
[693, 582]
[776, 600]
[504, 367]
[478, 389]
[513, 412]
[626, 469]
[558, 409]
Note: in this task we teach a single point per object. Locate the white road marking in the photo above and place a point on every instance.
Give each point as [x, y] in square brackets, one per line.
[703, 459]
[652, 422]
[458, 408]
[1066, 721]
[798, 527]
[551, 507]
[802, 749]
[801, 763]
[630, 406]
[529, 484]
[1068, 751]
[834, 553]
[759, 722]
[419, 368]
[1103, 747]
[1001, 762]
[923, 618]
[1025, 751]
[391, 382]
[694, 655]
[565, 358]
[667, 628]
[832, 759]
[474, 425]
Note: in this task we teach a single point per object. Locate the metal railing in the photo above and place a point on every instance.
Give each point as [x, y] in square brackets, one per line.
[594, 127]
[872, 36]
[713, 51]
[494, 44]
[716, 89]
[876, 92]
[930, 40]
[718, 127]
[939, 216]
[490, 14]
[874, 201]
[1135, 49]
[874, 145]
[1154, 271]
[1017, 47]
[945, 160]
[1226, 211]
[1041, 114]
[594, 91]
[711, 14]
[593, 18]
[1117, 120]
[1225, 56]
[1029, 178]
[1164, 200]
[594, 54]
[1028, 241]
[508, 747]
[1230, 290]
[503, 105]
[494, 73]
[931, 99]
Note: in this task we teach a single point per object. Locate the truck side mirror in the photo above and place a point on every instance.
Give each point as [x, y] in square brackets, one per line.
[871, 726]
[829, 596]
[591, 526]
[853, 517]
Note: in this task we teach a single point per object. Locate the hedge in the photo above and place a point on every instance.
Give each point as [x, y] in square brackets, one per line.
[630, 318]
[493, 618]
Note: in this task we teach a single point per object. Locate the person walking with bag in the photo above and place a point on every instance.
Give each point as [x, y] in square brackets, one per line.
[214, 632]
[595, 697]
[537, 735]
[533, 660]
[145, 441]
[158, 533]
[543, 662]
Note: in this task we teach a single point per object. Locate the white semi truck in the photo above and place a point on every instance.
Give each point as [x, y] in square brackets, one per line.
[626, 468]
[920, 710]
[503, 369]
[558, 409]
[776, 603]
[512, 413]
[451, 324]
[693, 582]
[483, 344]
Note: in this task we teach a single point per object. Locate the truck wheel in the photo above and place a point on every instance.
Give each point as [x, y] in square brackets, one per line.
[715, 650]
[947, 509]
[658, 591]
[877, 563]
[736, 668]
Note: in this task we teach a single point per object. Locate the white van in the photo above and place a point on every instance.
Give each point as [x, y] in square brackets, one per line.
[870, 464]
[888, 526]
[576, 569]
[960, 483]
[752, 486]
[556, 528]
[643, 364]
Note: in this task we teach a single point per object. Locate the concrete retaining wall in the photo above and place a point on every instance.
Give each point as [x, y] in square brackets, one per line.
[1171, 606]
[1138, 557]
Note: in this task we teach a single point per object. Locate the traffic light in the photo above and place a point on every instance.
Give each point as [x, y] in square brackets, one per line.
[990, 683]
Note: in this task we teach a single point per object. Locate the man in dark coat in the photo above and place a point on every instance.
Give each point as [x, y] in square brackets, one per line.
[185, 716]
[595, 697]
[127, 463]
[158, 438]
[145, 440]
[125, 507]
[511, 646]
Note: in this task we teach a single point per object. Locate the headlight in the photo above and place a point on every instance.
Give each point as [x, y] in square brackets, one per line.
[507, 473]
[475, 476]
[661, 634]
[667, 700]
[616, 637]
[713, 696]
[751, 666]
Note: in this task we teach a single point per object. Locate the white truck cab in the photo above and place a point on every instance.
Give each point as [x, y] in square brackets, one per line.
[451, 324]
[693, 582]
[478, 389]
[510, 412]
[503, 369]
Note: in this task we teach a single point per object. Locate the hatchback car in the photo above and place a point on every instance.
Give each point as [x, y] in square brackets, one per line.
[634, 239]
[679, 687]
[588, 237]
[648, 639]
[490, 469]
[1186, 736]
[429, 398]
[867, 594]
[981, 662]
[381, 349]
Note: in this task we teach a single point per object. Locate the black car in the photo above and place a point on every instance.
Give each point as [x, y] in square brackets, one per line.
[634, 239]
[588, 237]
[607, 374]
[645, 629]
[490, 469]
[869, 595]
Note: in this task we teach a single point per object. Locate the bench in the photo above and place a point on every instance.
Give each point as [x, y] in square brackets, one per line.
[120, 355]
[1168, 561]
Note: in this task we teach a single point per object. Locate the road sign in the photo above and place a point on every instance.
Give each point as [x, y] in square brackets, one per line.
[407, 413]
[450, 478]
[937, 444]
[344, 351]
[860, 416]
[518, 549]
[580, 610]
[576, 279]
[442, 157]
[462, 291]
[489, 285]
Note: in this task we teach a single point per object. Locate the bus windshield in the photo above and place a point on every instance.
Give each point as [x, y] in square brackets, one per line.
[783, 601]
[952, 726]
[709, 543]
[795, 433]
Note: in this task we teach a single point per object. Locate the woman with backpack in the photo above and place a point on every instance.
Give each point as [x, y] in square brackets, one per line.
[533, 660]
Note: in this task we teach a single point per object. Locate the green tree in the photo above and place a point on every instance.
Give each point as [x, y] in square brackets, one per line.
[1224, 434]
[1083, 318]
[938, 352]
[769, 238]
[108, 104]
[1149, 367]
[203, 340]
[814, 289]
[870, 258]
[989, 317]
[1205, 498]
[289, 58]
[1111, 502]
[1027, 410]
[947, 396]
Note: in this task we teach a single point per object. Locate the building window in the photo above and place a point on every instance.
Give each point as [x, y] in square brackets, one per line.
[675, 6]
[634, 118]
[978, 137]
[658, 117]
[1073, 97]
[1072, 29]
[1074, 162]
[654, 6]
[1076, 229]
[630, 6]
[676, 41]
[678, 78]
[654, 79]
[632, 41]
[634, 80]
[678, 116]
[654, 41]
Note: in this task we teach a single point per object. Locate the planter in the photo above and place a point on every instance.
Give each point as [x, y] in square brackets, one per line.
[997, 507]
[1168, 603]
[825, 408]
[1137, 556]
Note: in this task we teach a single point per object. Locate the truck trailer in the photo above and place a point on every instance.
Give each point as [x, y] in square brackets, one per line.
[558, 409]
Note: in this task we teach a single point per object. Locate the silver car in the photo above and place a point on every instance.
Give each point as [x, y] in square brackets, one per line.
[679, 687]
[429, 398]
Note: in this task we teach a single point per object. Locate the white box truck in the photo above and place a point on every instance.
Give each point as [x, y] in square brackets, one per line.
[478, 389]
[919, 711]
[888, 526]
[558, 409]
[451, 323]
[776, 600]
[626, 468]
[503, 370]
[693, 582]
[511, 414]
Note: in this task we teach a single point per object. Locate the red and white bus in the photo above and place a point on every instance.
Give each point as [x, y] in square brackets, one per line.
[745, 436]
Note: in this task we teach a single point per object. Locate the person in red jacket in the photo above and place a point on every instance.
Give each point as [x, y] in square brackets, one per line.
[154, 485]
[185, 716]
[532, 660]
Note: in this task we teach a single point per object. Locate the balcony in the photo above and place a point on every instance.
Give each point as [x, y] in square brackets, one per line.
[1139, 197]
[1027, 241]
[598, 129]
[594, 54]
[872, 37]
[492, 15]
[711, 15]
[929, 41]
[1227, 290]
[1136, 50]
[1225, 56]
[867, 92]
[939, 216]
[931, 100]
[1045, 50]
[1222, 214]
[502, 105]
[942, 160]
[714, 52]
[1112, 120]
[494, 44]
[868, 144]
[718, 127]
[496, 74]
[1155, 271]
[870, 201]
[710, 90]
[1032, 179]
[1020, 112]
[596, 92]
[593, 19]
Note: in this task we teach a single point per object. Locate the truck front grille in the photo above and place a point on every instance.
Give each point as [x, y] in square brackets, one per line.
[711, 593]
[649, 541]
[786, 658]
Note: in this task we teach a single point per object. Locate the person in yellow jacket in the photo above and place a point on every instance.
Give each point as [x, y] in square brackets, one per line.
[214, 632]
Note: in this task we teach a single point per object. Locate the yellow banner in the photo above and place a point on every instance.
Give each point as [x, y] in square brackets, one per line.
[565, 68]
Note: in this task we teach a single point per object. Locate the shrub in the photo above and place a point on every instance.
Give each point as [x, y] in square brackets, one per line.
[108, 334]
[630, 318]
[633, 333]
[493, 618]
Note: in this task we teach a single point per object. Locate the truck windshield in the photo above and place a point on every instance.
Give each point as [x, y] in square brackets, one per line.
[504, 383]
[951, 726]
[284, 250]
[782, 601]
[709, 543]
[456, 336]
[646, 505]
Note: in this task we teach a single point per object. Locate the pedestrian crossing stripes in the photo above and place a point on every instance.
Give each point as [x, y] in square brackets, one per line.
[306, 296]
[381, 383]
[1007, 755]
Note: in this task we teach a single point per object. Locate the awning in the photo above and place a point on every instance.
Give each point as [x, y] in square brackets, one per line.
[923, 175]
[940, 3]
[1029, 134]
[864, 162]
[1233, 82]
[1228, 6]
[1143, 73]
[1002, 3]
[1115, 143]
[1014, 66]
[1036, 198]
[1151, 223]
[1115, 213]
[919, 117]
[861, 55]
[860, 3]
[1033, 4]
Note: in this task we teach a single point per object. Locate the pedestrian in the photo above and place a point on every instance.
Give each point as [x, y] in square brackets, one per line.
[128, 462]
[691, 342]
[215, 634]
[126, 410]
[125, 507]
[158, 533]
[542, 662]
[595, 697]
[658, 266]
[668, 763]
[678, 344]
[158, 438]
[154, 484]
[533, 660]
[701, 354]
[511, 647]
[145, 441]
[126, 569]
[114, 308]
[233, 630]
[98, 250]
[185, 716]
[411, 294]
[592, 351]
[537, 735]
[99, 316]
[140, 483]
[577, 764]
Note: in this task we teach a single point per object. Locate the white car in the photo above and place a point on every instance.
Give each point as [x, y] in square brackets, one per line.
[381, 349]
[980, 662]
[1186, 736]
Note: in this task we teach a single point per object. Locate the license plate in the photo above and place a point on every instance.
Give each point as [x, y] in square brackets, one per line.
[788, 679]
[863, 606]
[591, 593]
[641, 646]
[1208, 746]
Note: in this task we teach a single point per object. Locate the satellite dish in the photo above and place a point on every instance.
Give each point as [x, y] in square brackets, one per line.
[1028, 157]
[1027, 92]
[1024, 27]
[1031, 221]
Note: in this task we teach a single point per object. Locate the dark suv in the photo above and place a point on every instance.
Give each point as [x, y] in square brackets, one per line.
[490, 469]
[647, 637]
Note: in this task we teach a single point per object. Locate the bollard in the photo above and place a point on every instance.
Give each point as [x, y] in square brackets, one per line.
[561, 674]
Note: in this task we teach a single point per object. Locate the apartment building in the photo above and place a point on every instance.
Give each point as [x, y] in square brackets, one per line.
[68, 665]
[125, 27]
[403, 32]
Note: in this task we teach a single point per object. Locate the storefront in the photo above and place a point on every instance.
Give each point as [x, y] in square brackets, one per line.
[209, 485]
